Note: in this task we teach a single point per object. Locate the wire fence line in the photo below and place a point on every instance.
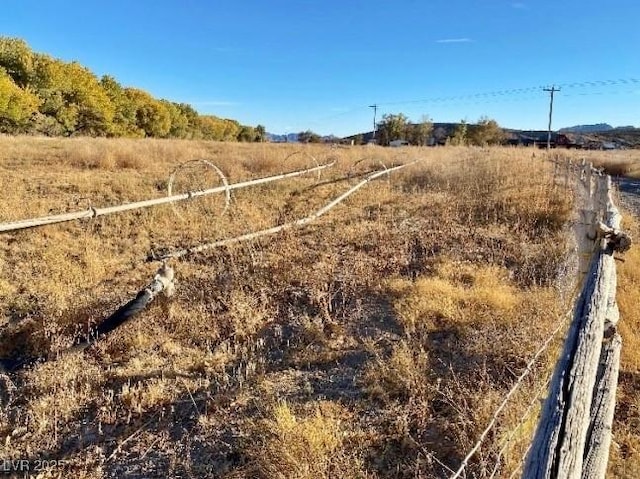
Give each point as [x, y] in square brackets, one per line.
[599, 235]
[95, 212]
[528, 369]
[525, 415]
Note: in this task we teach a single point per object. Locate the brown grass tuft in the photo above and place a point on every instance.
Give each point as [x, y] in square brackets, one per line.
[307, 446]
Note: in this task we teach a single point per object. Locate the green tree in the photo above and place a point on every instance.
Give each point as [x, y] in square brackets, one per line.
[261, 133]
[419, 133]
[17, 105]
[486, 132]
[459, 137]
[247, 134]
[392, 127]
[309, 137]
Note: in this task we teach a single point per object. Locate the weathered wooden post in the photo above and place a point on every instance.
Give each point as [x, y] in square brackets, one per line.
[585, 227]
[574, 433]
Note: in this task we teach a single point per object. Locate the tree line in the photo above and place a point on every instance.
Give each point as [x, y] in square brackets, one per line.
[398, 127]
[44, 95]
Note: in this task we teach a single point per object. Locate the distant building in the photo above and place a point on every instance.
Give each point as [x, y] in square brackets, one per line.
[539, 138]
[397, 143]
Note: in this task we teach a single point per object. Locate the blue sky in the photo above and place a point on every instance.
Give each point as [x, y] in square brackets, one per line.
[308, 64]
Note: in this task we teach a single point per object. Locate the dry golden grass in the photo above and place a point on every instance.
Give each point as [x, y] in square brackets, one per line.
[384, 334]
[308, 446]
[615, 163]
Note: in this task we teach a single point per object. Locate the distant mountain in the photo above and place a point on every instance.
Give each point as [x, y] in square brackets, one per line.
[294, 138]
[625, 127]
[288, 138]
[597, 128]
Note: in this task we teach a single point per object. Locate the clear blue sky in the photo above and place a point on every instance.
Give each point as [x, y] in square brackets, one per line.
[311, 64]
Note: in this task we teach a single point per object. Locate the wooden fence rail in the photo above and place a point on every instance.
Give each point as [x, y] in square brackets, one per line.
[574, 431]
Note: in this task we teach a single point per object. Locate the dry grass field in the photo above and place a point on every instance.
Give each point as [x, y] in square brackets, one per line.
[616, 163]
[375, 343]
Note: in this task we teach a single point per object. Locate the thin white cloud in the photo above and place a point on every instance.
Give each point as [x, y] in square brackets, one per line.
[519, 5]
[454, 40]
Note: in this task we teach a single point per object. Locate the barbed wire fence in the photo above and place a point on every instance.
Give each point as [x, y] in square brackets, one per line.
[573, 434]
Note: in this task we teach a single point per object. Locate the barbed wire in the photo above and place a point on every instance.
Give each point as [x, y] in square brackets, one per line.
[528, 369]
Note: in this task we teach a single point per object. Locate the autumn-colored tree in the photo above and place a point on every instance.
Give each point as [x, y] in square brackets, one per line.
[17, 105]
[152, 117]
[42, 94]
[419, 133]
[247, 134]
[231, 130]
[95, 109]
[219, 129]
[124, 116]
[486, 132]
[392, 127]
[17, 59]
[52, 84]
[73, 96]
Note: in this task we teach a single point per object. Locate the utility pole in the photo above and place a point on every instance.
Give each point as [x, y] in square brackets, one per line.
[375, 110]
[551, 91]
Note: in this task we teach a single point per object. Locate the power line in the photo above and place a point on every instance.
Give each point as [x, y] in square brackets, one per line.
[500, 96]
[515, 91]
